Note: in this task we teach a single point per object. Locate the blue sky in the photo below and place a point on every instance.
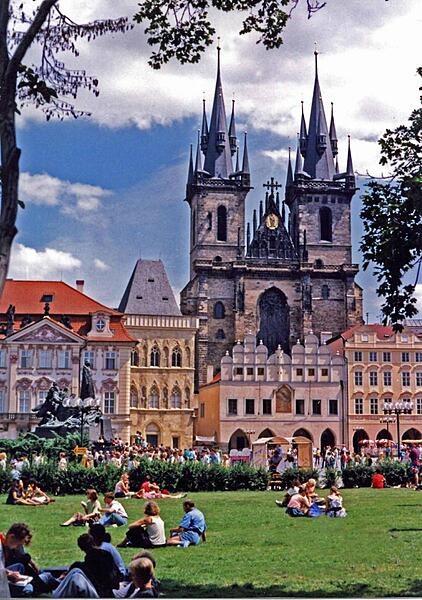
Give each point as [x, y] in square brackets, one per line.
[104, 191]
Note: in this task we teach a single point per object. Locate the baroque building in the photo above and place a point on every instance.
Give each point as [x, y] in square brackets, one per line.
[48, 329]
[162, 404]
[290, 272]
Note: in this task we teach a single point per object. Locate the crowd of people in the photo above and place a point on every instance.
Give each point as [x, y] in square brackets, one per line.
[102, 573]
[301, 500]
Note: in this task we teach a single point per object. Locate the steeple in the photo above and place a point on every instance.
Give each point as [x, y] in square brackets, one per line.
[232, 132]
[303, 136]
[298, 165]
[204, 130]
[245, 161]
[319, 162]
[350, 174]
[198, 161]
[190, 169]
[289, 178]
[333, 133]
[218, 161]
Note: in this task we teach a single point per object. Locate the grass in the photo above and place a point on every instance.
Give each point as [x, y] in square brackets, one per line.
[254, 549]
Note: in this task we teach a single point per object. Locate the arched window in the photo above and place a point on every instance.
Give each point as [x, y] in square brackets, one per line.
[165, 398]
[326, 224]
[133, 398]
[155, 357]
[220, 335]
[176, 398]
[134, 359]
[154, 398]
[176, 358]
[219, 310]
[222, 224]
[325, 292]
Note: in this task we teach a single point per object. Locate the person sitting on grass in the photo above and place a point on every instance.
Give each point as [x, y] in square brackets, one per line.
[191, 529]
[18, 564]
[293, 489]
[335, 504]
[151, 490]
[121, 489]
[114, 513]
[102, 539]
[142, 573]
[146, 532]
[16, 494]
[127, 589]
[35, 494]
[91, 512]
[299, 504]
[378, 479]
[94, 577]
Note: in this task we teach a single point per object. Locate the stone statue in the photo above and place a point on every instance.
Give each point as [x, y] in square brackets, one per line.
[87, 385]
[10, 315]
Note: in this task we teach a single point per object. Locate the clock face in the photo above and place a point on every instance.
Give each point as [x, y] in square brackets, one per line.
[100, 325]
[271, 221]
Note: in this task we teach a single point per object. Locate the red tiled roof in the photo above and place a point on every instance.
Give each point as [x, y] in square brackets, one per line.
[27, 296]
[381, 331]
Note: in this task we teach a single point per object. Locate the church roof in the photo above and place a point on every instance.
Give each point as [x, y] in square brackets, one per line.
[149, 291]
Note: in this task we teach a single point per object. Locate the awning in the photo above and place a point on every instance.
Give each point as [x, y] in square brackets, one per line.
[205, 440]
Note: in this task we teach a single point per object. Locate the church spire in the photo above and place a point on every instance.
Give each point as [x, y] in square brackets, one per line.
[333, 133]
[298, 165]
[350, 174]
[232, 132]
[190, 169]
[218, 161]
[204, 129]
[319, 162]
[245, 161]
[198, 161]
[289, 178]
[303, 136]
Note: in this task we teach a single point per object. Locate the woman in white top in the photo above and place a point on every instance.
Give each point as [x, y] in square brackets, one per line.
[147, 532]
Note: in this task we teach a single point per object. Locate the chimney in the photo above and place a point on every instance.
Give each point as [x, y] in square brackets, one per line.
[80, 285]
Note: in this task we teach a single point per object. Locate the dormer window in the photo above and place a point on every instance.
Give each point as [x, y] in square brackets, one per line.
[46, 298]
[100, 324]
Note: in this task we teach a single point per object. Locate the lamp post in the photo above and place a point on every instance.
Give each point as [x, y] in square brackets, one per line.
[404, 407]
[87, 407]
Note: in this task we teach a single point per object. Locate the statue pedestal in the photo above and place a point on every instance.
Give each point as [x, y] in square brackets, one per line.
[51, 432]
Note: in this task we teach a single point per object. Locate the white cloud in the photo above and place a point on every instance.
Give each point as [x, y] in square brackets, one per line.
[29, 263]
[74, 199]
[101, 265]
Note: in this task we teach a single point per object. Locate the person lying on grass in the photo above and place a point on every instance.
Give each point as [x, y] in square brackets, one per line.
[35, 494]
[91, 508]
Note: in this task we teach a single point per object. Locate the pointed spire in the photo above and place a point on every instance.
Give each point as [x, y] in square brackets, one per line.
[204, 130]
[248, 235]
[298, 165]
[254, 221]
[349, 169]
[261, 211]
[218, 161]
[283, 213]
[237, 161]
[198, 161]
[333, 133]
[319, 161]
[245, 162]
[303, 139]
[289, 178]
[190, 169]
[232, 132]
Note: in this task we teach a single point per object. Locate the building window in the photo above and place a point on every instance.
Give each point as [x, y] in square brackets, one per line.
[418, 356]
[176, 398]
[220, 335]
[261, 371]
[358, 406]
[266, 406]
[373, 406]
[299, 372]
[44, 359]
[154, 399]
[311, 372]
[89, 357]
[358, 356]
[419, 378]
[249, 406]
[333, 407]
[358, 377]
[134, 359]
[2, 359]
[316, 407]
[387, 378]
[405, 356]
[373, 356]
[110, 360]
[324, 372]
[2, 403]
[133, 399]
[325, 292]
[232, 406]
[386, 356]
[24, 401]
[219, 310]
[364, 337]
[238, 371]
[109, 403]
[41, 396]
[25, 359]
[325, 223]
[373, 378]
[176, 358]
[405, 378]
[202, 410]
[175, 441]
[249, 370]
[222, 224]
[300, 407]
[63, 361]
[419, 406]
[155, 357]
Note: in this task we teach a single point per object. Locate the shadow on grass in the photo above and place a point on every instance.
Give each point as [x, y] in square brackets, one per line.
[405, 529]
[172, 589]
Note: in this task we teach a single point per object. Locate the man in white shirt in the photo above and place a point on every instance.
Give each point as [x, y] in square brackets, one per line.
[114, 512]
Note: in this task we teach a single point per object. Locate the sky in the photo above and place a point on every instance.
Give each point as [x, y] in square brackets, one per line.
[102, 192]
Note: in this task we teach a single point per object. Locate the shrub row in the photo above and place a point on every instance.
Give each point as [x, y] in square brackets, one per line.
[358, 475]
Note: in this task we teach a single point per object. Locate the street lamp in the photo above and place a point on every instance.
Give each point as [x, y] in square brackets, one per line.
[403, 407]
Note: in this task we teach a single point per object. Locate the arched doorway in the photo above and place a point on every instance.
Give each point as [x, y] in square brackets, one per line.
[152, 434]
[412, 434]
[238, 440]
[327, 439]
[266, 433]
[304, 433]
[274, 320]
[358, 436]
[384, 434]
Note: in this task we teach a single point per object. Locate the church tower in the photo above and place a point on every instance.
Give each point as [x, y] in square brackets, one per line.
[288, 274]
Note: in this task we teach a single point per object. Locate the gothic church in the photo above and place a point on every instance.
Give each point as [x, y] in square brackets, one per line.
[291, 272]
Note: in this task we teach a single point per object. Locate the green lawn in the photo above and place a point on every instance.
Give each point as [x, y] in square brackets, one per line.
[255, 549]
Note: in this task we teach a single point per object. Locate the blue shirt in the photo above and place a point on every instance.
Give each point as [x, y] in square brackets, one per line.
[194, 520]
[118, 560]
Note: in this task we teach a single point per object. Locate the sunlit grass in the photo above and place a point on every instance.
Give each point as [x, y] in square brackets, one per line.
[254, 549]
